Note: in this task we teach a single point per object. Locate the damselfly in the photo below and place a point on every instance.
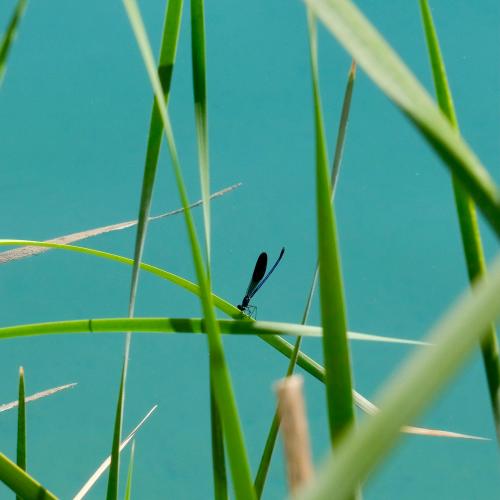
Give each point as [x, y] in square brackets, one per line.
[257, 280]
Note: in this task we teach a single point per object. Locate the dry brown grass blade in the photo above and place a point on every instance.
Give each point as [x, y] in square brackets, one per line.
[368, 407]
[102, 468]
[24, 252]
[38, 395]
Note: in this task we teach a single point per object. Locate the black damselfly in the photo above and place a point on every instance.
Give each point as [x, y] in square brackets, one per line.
[257, 280]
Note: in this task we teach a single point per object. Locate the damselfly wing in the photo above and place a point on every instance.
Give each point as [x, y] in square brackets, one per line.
[259, 277]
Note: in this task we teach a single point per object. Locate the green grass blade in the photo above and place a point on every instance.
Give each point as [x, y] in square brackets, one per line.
[469, 229]
[104, 466]
[178, 325]
[10, 34]
[344, 120]
[21, 425]
[226, 403]
[198, 58]
[165, 68]
[114, 469]
[272, 435]
[128, 488]
[218, 458]
[335, 346]
[386, 69]
[410, 390]
[21, 483]
[37, 395]
[267, 454]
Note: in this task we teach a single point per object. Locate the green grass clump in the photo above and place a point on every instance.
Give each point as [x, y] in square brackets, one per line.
[355, 451]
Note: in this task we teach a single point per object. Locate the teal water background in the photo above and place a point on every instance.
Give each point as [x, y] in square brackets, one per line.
[74, 112]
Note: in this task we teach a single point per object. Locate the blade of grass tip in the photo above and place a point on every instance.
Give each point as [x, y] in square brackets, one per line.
[410, 390]
[104, 466]
[272, 435]
[238, 459]
[128, 488]
[469, 228]
[21, 483]
[386, 69]
[23, 252]
[8, 37]
[198, 57]
[21, 425]
[37, 395]
[335, 346]
[114, 469]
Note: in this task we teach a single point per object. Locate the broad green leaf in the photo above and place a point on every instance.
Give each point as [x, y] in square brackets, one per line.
[469, 228]
[410, 390]
[222, 385]
[9, 36]
[382, 64]
[338, 381]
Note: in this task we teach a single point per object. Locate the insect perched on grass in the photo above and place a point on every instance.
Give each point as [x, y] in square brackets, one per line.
[257, 280]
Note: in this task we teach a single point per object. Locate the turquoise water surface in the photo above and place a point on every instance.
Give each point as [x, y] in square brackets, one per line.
[74, 112]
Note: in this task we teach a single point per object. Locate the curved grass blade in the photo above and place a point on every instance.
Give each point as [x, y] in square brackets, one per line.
[281, 345]
[333, 318]
[21, 426]
[469, 228]
[381, 63]
[104, 466]
[34, 397]
[10, 34]
[266, 457]
[30, 251]
[21, 483]
[128, 488]
[222, 385]
[178, 325]
[410, 390]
